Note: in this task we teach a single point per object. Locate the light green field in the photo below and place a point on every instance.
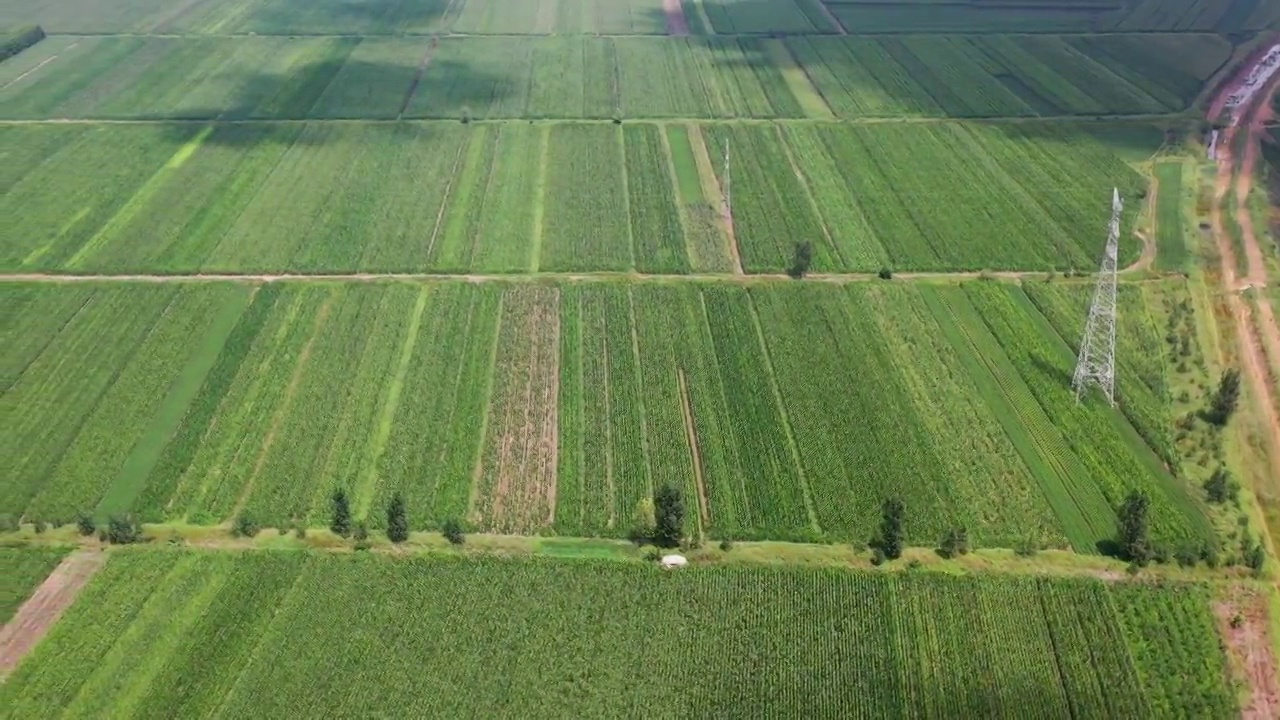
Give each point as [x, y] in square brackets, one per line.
[450, 197]
[558, 409]
[274, 634]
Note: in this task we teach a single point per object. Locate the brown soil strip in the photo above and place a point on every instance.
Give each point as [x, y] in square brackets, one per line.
[417, 76]
[677, 25]
[691, 431]
[29, 625]
[1251, 651]
[713, 194]
[285, 403]
[521, 468]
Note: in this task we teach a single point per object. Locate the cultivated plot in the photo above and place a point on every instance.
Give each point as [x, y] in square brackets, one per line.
[253, 635]
[216, 17]
[576, 76]
[507, 197]
[559, 409]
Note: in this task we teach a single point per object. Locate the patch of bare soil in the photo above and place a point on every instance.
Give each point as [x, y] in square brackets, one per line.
[1242, 619]
[691, 431]
[29, 625]
[520, 463]
[677, 25]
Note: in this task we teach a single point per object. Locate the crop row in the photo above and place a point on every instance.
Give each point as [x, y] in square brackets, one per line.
[970, 76]
[783, 411]
[571, 197]
[1053, 16]
[1008, 75]
[274, 634]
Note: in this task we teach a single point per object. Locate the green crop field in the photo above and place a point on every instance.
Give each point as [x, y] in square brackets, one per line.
[286, 633]
[446, 197]
[193, 77]
[559, 409]
[525, 267]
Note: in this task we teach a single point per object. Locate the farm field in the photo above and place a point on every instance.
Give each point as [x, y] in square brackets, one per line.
[557, 409]
[1083, 16]
[228, 78]
[21, 571]
[503, 198]
[254, 635]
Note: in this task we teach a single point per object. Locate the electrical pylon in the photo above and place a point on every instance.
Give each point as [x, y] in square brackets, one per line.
[1097, 362]
[728, 185]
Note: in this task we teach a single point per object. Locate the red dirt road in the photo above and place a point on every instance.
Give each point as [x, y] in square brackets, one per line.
[45, 606]
[1250, 650]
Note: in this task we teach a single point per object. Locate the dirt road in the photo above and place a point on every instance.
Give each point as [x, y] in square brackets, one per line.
[22, 633]
[1252, 337]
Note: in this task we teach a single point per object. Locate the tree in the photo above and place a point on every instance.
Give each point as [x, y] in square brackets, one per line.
[955, 542]
[452, 531]
[1135, 546]
[668, 525]
[85, 525]
[1220, 487]
[341, 523]
[397, 520]
[891, 538]
[123, 530]
[1224, 400]
[801, 260]
[244, 526]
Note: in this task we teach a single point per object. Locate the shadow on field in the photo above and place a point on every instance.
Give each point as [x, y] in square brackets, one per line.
[337, 90]
[355, 17]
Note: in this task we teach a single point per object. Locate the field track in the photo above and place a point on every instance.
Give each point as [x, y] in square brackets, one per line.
[539, 277]
[45, 606]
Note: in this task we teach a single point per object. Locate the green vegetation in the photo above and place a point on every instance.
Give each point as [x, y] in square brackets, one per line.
[1171, 227]
[254, 634]
[12, 43]
[328, 197]
[319, 388]
[21, 571]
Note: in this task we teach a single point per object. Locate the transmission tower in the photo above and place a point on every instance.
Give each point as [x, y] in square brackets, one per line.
[1097, 362]
[728, 185]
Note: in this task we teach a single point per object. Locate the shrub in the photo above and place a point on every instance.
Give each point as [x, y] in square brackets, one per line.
[726, 545]
[85, 525]
[397, 520]
[452, 531]
[244, 526]
[885, 274]
[123, 530]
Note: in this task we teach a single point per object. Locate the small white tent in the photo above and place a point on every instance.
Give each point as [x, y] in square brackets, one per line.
[673, 561]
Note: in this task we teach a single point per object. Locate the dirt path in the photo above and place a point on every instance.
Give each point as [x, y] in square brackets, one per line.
[1242, 620]
[677, 24]
[583, 277]
[29, 625]
[691, 431]
[714, 194]
[1251, 337]
[1148, 257]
